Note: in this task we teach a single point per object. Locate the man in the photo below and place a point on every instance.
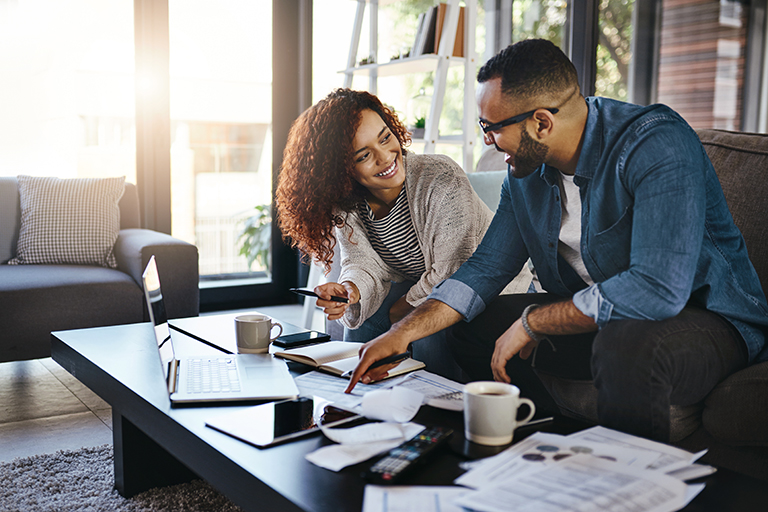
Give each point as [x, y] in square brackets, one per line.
[649, 288]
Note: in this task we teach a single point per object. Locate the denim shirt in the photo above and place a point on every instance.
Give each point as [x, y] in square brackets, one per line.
[656, 232]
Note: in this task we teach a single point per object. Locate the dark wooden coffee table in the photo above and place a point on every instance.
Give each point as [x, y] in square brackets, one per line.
[156, 445]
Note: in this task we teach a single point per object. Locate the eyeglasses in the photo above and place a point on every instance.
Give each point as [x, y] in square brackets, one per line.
[488, 127]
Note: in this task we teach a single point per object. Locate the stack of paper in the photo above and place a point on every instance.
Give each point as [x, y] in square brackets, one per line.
[595, 469]
[592, 468]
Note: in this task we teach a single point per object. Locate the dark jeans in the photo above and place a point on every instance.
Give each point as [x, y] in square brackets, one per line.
[639, 367]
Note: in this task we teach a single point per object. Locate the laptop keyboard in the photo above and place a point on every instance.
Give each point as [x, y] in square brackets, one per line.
[218, 375]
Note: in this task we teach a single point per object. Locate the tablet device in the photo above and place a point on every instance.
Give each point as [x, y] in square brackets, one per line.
[276, 422]
[300, 339]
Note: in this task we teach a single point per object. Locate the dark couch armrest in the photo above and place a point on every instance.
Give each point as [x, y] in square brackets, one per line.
[177, 263]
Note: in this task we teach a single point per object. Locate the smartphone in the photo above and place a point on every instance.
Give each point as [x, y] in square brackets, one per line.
[301, 338]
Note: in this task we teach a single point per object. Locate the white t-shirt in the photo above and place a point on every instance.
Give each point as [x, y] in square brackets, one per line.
[570, 227]
[569, 246]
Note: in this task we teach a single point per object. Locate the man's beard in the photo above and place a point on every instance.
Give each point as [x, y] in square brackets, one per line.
[530, 155]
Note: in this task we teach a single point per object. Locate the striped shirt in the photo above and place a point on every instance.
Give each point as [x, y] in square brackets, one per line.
[394, 239]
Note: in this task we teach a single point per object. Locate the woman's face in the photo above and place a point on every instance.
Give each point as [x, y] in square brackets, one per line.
[378, 158]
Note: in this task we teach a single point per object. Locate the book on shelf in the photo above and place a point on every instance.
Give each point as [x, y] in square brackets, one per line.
[425, 36]
[339, 357]
[458, 45]
[419, 29]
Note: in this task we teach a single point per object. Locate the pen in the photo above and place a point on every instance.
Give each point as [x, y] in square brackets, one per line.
[310, 293]
[396, 358]
[390, 359]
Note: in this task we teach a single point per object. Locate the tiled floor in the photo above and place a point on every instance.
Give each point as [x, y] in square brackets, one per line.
[44, 409]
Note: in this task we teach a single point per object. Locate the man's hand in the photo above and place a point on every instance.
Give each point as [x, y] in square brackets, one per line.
[514, 340]
[335, 310]
[558, 318]
[430, 317]
[388, 344]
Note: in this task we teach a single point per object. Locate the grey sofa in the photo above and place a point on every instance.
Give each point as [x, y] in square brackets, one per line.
[732, 422]
[38, 299]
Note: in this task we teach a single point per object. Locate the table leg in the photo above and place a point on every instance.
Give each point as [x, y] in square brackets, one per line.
[141, 463]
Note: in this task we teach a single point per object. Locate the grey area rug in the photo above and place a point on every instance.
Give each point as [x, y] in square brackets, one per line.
[83, 480]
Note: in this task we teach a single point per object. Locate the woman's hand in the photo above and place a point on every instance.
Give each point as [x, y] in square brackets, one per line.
[332, 309]
[399, 310]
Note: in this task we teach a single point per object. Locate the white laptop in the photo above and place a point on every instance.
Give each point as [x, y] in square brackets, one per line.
[212, 378]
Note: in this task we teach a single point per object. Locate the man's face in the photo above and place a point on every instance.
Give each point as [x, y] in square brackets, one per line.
[523, 153]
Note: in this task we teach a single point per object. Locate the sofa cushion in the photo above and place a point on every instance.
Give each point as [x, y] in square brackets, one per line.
[38, 299]
[740, 162]
[487, 185]
[736, 411]
[71, 221]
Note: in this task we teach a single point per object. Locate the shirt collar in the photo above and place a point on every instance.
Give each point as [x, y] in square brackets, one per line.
[590, 149]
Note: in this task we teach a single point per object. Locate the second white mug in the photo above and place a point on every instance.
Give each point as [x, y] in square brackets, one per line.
[490, 412]
[254, 333]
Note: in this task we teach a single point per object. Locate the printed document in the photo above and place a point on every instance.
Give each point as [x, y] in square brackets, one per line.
[438, 391]
[585, 483]
[332, 388]
[542, 449]
[669, 457]
[412, 498]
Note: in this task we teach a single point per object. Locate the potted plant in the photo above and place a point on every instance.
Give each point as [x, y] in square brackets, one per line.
[417, 132]
[255, 237]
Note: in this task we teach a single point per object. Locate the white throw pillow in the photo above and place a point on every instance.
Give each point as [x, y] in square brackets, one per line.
[71, 221]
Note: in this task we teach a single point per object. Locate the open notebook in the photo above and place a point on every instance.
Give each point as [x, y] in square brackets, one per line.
[340, 357]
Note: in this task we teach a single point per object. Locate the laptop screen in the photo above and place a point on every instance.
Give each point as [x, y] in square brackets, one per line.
[157, 314]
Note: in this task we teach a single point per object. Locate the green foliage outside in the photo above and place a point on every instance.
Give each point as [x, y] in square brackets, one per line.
[614, 51]
[543, 19]
[547, 19]
[255, 237]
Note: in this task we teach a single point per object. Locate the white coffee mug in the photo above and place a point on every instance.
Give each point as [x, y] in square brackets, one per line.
[254, 333]
[490, 412]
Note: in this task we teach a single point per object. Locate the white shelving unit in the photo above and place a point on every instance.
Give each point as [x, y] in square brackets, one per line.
[439, 63]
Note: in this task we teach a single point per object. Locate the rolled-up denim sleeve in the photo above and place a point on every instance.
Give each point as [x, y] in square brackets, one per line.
[460, 297]
[593, 304]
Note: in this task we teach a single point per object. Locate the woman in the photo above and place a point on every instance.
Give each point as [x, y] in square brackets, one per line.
[403, 222]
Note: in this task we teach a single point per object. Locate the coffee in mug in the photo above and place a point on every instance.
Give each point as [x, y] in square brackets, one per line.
[254, 333]
[490, 412]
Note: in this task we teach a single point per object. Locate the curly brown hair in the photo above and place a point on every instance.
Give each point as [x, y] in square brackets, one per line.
[316, 189]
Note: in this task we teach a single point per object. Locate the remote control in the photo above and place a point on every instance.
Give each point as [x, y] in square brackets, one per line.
[399, 460]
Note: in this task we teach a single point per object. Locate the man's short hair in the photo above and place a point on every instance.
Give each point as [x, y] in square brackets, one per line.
[530, 68]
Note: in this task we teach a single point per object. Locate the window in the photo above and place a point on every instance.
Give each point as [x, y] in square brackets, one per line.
[614, 49]
[702, 53]
[541, 19]
[221, 133]
[193, 129]
[67, 83]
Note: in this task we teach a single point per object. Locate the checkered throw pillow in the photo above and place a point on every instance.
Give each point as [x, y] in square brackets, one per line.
[73, 221]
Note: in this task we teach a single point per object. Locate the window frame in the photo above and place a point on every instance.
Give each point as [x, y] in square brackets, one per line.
[291, 57]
